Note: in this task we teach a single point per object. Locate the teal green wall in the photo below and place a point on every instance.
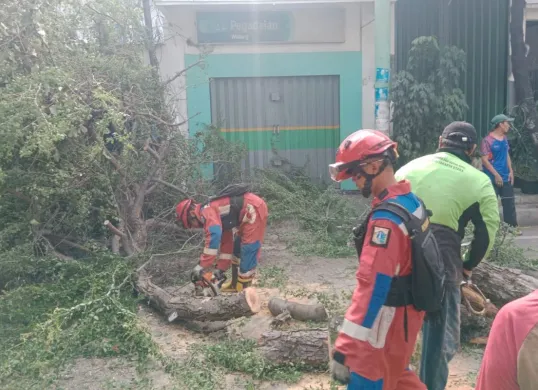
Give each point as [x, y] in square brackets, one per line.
[347, 65]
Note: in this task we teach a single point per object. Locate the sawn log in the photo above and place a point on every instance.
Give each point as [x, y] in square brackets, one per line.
[190, 308]
[502, 285]
[298, 311]
[291, 346]
[301, 346]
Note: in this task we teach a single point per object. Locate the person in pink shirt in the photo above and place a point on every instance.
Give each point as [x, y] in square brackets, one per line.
[511, 358]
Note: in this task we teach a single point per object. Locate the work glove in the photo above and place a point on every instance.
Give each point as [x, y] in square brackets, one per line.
[339, 372]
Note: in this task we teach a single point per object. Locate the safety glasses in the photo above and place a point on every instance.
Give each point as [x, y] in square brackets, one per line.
[352, 168]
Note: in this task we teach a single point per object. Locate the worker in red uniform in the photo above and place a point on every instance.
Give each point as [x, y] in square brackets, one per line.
[377, 337]
[244, 215]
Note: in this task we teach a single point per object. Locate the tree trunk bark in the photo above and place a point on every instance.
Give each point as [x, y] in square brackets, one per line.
[190, 308]
[299, 346]
[304, 346]
[139, 234]
[520, 70]
[297, 311]
[502, 285]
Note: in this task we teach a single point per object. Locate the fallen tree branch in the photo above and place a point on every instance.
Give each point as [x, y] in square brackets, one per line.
[169, 185]
[162, 121]
[182, 72]
[152, 224]
[281, 319]
[219, 308]
[298, 311]
[64, 240]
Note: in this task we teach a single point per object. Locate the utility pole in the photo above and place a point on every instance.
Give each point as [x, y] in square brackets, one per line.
[382, 63]
[146, 6]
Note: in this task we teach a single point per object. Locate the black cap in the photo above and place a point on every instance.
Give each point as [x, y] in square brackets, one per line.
[459, 134]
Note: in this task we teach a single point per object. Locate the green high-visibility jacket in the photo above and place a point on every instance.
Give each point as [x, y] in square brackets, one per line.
[456, 193]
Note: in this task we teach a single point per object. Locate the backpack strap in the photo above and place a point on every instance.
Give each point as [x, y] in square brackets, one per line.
[400, 290]
[411, 222]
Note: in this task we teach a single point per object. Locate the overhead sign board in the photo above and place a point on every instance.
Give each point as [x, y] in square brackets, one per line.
[299, 26]
[227, 27]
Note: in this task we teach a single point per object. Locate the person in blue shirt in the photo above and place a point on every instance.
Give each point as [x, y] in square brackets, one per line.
[498, 166]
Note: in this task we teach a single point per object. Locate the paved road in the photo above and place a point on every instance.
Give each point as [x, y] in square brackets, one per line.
[529, 239]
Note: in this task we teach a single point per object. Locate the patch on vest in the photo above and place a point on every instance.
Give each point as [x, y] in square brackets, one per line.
[380, 236]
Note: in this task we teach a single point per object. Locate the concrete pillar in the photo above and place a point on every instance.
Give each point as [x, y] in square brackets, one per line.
[382, 63]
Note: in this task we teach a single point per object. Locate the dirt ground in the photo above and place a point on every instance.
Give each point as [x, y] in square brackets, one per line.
[329, 281]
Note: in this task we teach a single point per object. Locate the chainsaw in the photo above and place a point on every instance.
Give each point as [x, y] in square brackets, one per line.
[210, 282]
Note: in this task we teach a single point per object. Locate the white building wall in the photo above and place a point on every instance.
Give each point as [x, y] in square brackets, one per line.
[359, 29]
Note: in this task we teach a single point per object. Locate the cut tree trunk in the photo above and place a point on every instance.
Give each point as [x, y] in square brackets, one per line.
[190, 308]
[302, 346]
[298, 346]
[502, 285]
[298, 311]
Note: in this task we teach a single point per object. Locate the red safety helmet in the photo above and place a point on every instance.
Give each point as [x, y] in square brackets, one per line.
[357, 147]
[182, 212]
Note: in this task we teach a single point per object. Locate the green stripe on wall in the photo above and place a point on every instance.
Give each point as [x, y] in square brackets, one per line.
[286, 139]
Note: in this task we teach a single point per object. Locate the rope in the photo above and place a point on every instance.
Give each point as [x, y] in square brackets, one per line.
[470, 289]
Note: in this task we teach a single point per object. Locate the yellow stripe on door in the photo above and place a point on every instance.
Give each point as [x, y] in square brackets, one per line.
[281, 128]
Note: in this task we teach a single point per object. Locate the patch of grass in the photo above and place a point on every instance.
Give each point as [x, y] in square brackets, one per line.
[272, 277]
[82, 309]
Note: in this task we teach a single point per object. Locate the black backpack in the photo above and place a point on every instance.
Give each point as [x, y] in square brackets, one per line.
[425, 286]
[232, 190]
[236, 194]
